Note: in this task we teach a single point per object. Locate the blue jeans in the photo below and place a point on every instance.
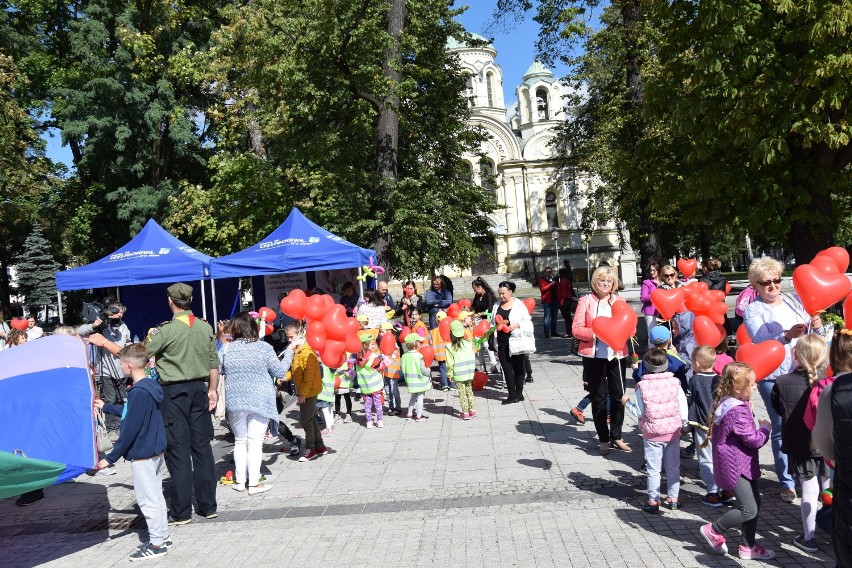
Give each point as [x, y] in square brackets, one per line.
[392, 394]
[764, 387]
[442, 368]
[581, 406]
[551, 315]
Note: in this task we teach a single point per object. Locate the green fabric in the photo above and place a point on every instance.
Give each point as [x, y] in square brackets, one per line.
[415, 381]
[327, 393]
[461, 362]
[369, 379]
[183, 353]
[18, 474]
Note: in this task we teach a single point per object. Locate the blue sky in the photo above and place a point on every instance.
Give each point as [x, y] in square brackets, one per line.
[515, 52]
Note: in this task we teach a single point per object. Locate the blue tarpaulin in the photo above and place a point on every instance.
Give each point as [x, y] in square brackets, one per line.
[297, 245]
[151, 257]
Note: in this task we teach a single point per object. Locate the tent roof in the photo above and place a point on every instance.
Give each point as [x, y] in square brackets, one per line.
[152, 256]
[297, 245]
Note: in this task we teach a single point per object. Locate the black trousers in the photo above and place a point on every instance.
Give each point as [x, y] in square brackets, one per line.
[113, 391]
[189, 456]
[513, 369]
[606, 377]
[745, 515]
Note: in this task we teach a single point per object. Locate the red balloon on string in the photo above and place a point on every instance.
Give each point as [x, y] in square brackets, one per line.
[716, 295]
[453, 310]
[387, 345]
[706, 332]
[839, 255]
[315, 335]
[481, 328]
[352, 342]
[333, 354]
[293, 304]
[764, 357]
[266, 314]
[727, 287]
[314, 307]
[847, 311]
[335, 324]
[818, 290]
[465, 303]
[328, 300]
[18, 323]
[743, 338]
[825, 264]
[530, 304]
[444, 329]
[687, 266]
[352, 325]
[404, 332]
[615, 330]
[269, 329]
[428, 355]
[667, 302]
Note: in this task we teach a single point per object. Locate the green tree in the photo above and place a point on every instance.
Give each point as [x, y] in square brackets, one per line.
[36, 270]
[311, 96]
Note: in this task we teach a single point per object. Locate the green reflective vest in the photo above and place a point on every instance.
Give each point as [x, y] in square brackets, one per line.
[369, 379]
[327, 393]
[414, 379]
[462, 361]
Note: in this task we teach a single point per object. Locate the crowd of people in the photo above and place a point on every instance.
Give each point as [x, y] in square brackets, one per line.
[681, 390]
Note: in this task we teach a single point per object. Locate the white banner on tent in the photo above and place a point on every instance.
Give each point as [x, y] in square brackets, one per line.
[275, 284]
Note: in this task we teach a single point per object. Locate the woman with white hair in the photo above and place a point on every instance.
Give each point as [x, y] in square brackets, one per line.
[781, 316]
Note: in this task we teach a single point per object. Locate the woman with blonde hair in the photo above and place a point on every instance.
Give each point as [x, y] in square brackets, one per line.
[604, 366]
[790, 397]
[774, 314]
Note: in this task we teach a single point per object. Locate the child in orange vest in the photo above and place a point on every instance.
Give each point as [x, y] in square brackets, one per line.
[417, 325]
[439, 347]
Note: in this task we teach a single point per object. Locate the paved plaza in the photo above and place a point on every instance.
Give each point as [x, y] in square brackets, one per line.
[519, 485]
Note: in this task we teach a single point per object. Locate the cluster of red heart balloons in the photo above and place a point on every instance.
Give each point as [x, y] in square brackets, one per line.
[708, 306]
[615, 331]
[822, 282]
[330, 332]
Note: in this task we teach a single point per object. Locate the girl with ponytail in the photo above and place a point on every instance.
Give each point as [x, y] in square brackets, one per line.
[790, 397]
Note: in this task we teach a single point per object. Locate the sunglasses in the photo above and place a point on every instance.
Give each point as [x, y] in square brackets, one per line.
[669, 274]
[765, 283]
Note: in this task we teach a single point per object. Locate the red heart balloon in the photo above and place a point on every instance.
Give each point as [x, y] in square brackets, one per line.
[667, 302]
[269, 329]
[819, 290]
[453, 310]
[314, 307]
[428, 355]
[352, 343]
[481, 328]
[352, 326]
[404, 332]
[530, 304]
[315, 335]
[328, 300]
[706, 332]
[333, 354]
[716, 311]
[335, 324]
[687, 266]
[294, 304]
[825, 264]
[388, 344]
[839, 255]
[266, 314]
[764, 357]
[444, 329]
[727, 287]
[743, 338]
[465, 304]
[615, 330]
[694, 287]
[18, 323]
[716, 295]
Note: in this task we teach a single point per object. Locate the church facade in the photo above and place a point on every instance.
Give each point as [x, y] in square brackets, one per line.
[540, 205]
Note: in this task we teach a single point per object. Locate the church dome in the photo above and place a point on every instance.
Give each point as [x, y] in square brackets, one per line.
[538, 72]
[455, 44]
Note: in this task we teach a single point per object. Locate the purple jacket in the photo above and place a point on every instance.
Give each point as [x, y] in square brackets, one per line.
[648, 286]
[735, 443]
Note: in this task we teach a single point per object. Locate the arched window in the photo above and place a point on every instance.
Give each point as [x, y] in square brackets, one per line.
[489, 81]
[552, 212]
[469, 167]
[486, 174]
[542, 104]
[469, 93]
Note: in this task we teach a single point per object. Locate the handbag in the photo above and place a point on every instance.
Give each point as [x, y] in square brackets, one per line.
[522, 340]
[104, 443]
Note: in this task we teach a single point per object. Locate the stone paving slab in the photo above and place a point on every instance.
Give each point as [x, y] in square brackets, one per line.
[518, 485]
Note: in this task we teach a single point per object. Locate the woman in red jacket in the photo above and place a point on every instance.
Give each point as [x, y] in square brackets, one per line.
[604, 366]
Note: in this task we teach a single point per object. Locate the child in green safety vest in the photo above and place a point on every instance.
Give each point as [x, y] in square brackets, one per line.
[416, 375]
[461, 363]
[325, 399]
[370, 379]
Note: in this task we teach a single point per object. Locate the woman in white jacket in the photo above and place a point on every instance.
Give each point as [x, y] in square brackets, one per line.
[513, 312]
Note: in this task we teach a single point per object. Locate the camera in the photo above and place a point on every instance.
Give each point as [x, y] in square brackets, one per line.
[92, 311]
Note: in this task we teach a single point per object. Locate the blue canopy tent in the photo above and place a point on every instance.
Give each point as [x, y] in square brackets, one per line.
[297, 245]
[153, 257]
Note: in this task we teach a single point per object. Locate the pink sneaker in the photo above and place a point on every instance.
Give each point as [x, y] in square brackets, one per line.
[465, 416]
[473, 414]
[715, 540]
[755, 552]
[409, 416]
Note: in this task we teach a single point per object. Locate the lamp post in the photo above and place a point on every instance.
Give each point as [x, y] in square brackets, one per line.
[588, 267]
[555, 235]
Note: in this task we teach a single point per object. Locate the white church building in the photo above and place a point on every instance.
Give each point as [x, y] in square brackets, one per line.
[540, 207]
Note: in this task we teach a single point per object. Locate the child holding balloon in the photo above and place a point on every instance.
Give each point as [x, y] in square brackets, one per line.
[736, 443]
[391, 369]
[416, 375]
[439, 346]
[461, 362]
[370, 379]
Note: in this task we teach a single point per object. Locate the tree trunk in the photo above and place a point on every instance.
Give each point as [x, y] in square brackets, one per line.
[704, 241]
[649, 247]
[387, 127]
[807, 239]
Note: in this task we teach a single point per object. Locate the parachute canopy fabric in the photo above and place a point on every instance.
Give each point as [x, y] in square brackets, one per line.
[297, 245]
[151, 257]
[48, 432]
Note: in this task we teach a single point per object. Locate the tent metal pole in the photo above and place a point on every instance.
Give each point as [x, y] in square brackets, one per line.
[215, 312]
[59, 298]
[360, 285]
[203, 300]
[251, 289]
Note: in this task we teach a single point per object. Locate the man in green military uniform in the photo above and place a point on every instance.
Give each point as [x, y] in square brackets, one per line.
[188, 367]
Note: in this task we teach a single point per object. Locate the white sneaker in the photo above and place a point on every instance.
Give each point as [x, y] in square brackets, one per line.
[239, 487]
[258, 489]
[380, 423]
[110, 470]
[347, 419]
[369, 425]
